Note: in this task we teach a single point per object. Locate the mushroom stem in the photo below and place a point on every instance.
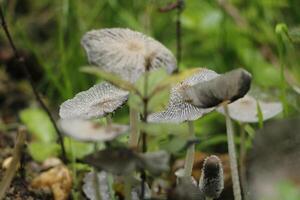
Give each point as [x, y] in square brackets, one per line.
[96, 180]
[189, 159]
[243, 149]
[232, 156]
[134, 132]
[108, 120]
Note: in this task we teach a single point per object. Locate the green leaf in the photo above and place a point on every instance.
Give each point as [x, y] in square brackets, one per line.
[77, 149]
[294, 34]
[110, 77]
[174, 144]
[38, 124]
[41, 151]
[163, 128]
[159, 101]
[259, 115]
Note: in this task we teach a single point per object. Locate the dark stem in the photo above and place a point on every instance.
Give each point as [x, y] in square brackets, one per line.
[20, 59]
[179, 10]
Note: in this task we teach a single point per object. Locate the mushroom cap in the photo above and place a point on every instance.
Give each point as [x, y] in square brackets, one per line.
[95, 102]
[123, 52]
[212, 179]
[85, 130]
[178, 109]
[229, 86]
[245, 109]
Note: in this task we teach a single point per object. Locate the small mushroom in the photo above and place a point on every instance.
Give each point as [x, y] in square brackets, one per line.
[125, 161]
[179, 111]
[124, 52]
[212, 181]
[97, 101]
[91, 131]
[245, 109]
[223, 89]
[227, 87]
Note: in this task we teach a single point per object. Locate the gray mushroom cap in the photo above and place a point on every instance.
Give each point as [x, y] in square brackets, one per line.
[97, 101]
[85, 130]
[229, 86]
[245, 109]
[178, 110]
[123, 52]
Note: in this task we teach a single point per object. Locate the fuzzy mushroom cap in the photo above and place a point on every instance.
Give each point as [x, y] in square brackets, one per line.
[212, 181]
[97, 101]
[84, 130]
[123, 52]
[245, 109]
[178, 109]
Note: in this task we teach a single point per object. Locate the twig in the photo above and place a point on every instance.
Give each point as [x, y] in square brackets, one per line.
[20, 59]
[179, 6]
[14, 165]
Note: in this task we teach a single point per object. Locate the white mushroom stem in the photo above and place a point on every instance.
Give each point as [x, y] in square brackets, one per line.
[189, 159]
[243, 149]
[96, 180]
[108, 120]
[134, 132]
[232, 155]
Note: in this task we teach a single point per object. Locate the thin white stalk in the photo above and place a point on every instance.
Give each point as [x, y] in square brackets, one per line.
[242, 159]
[96, 180]
[189, 159]
[108, 120]
[232, 156]
[134, 132]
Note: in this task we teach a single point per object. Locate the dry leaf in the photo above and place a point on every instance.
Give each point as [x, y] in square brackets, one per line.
[58, 179]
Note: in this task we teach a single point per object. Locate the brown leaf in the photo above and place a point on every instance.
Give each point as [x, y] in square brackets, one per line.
[58, 179]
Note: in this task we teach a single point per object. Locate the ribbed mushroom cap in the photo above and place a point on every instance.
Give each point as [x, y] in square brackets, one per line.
[95, 102]
[178, 110]
[91, 131]
[123, 52]
[229, 86]
[245, 109]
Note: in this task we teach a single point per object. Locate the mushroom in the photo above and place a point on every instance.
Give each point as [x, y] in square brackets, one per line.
[125, 161]
[91, 131]
[128, 54]
[124, 52]
[211, 182]
[222, 90]
[245, 110]
[179, 111]
[95, 102]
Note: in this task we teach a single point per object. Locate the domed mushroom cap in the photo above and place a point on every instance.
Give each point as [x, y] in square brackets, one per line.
[123, 52]
[178, 110]
[95, 102]
[245, 109]
[84, 130]
[229, 86]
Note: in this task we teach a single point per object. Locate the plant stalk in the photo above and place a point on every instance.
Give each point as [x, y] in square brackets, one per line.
[13, 167]
[25, 68]
[96, 180]
[134, 132]
[190, 154]
[232, 156]
[242, 159]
